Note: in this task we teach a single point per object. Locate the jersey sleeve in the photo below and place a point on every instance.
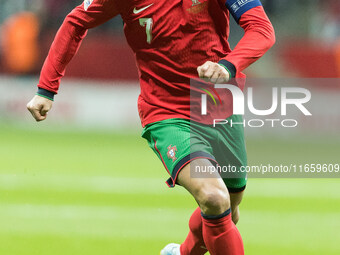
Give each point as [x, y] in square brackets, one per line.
[90, 14]
[258, 38]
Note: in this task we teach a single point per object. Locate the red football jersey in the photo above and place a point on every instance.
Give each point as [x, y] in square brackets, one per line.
[170, 39]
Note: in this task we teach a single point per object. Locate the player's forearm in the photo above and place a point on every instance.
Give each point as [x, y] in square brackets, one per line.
[68, 40]
[63, 49]
[259, 37]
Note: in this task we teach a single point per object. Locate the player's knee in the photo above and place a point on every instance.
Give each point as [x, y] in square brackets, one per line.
[214, 201]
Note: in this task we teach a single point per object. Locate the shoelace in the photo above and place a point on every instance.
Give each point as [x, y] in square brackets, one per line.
[173, 250]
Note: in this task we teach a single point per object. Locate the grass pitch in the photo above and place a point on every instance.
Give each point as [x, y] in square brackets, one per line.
[88, 193]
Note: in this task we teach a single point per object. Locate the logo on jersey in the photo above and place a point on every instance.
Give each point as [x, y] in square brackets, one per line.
[197, 7]
[87, 4]
[136, 11]
[195, 2]
[172, 152]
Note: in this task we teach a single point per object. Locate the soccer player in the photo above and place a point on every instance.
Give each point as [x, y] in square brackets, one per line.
[175, 41]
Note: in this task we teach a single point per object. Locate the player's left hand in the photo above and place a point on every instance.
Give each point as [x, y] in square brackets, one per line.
[214, 72]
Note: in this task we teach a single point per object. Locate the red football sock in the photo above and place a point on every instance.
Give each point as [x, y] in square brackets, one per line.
[194, 244]
[221, 235]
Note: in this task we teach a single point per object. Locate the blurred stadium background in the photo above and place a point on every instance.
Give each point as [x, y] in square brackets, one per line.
[84, 182]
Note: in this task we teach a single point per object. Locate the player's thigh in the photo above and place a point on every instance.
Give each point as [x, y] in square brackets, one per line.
[236, 198]
[210, 191]
[176, 145]
[231, 155]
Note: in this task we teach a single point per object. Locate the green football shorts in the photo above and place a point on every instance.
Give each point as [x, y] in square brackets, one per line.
[179, 141]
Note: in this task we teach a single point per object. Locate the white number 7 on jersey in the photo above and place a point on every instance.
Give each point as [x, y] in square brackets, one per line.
[147, 23]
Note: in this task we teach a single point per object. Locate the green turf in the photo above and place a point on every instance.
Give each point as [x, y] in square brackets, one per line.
[99, 193]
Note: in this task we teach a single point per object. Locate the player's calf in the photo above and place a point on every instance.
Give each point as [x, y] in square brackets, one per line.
[219, 233]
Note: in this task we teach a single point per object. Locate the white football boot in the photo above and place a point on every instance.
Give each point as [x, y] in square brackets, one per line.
[171, 249]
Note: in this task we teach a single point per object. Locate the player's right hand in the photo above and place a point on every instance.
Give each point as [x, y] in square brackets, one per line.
[213, 72]
[39, 107]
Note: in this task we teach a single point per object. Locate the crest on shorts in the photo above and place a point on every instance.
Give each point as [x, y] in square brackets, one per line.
[87, 4]
[172, 152]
